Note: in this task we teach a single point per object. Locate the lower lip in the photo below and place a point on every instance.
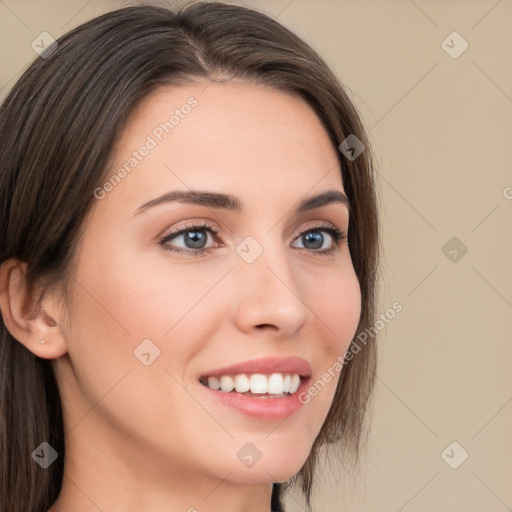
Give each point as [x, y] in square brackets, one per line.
[261, 408]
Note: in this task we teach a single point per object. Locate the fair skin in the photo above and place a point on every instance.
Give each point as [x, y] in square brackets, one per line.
[149, 437]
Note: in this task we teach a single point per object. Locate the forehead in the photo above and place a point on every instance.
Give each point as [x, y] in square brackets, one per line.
[254, 140]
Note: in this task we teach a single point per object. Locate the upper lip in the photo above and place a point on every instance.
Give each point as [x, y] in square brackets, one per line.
[265, 365]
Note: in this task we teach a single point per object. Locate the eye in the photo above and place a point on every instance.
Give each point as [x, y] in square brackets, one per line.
[195, 238]
[314, 239]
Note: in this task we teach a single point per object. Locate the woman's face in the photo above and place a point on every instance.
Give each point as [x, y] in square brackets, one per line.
[152, 320]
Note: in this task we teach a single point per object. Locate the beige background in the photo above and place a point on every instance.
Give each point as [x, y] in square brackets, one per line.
[441, 130]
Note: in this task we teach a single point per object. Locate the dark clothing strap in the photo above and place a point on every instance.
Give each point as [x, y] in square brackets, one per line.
[275, 503]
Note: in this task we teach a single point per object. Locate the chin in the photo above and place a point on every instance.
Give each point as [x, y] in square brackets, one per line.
[277, 466]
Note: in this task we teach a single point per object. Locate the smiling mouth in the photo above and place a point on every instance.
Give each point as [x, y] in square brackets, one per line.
[257, 385]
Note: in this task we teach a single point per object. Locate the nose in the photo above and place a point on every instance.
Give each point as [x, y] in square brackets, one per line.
[269, 293]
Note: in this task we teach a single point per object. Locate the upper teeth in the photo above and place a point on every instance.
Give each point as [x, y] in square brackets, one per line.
[274, 384]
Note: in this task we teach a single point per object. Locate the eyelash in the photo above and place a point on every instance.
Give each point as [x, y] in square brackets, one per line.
[337, 235]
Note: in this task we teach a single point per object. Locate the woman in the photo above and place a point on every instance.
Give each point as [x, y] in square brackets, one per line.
[188, 247]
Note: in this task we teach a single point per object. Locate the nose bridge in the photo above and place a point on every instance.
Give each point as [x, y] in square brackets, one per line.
[268, 289]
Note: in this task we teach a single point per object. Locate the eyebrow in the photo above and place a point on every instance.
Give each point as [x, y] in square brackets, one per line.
[233, 203]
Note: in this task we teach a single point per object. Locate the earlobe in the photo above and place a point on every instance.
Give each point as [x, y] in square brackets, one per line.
[27, 321]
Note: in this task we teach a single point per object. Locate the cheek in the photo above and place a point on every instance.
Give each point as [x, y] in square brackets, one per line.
[336, 306]
[117, 307]
[123, 302]
[146, 299]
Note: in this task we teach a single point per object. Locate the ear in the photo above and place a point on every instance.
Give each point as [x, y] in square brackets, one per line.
[26, 320]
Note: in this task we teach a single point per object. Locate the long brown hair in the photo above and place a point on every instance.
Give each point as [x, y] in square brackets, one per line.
[58, 126]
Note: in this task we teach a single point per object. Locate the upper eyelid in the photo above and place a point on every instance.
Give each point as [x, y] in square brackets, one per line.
[207, 226]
